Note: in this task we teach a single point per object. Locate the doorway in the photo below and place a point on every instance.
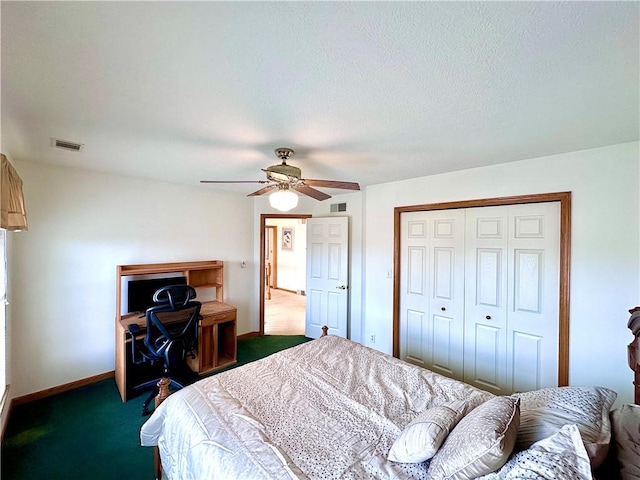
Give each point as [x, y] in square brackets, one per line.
[282, 274]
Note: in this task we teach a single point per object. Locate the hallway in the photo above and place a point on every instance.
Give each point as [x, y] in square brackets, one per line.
[284, 314]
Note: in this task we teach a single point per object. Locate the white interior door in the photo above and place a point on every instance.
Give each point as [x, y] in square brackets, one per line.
[327, 276]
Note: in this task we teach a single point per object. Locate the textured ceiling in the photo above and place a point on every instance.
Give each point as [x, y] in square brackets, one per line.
[363, 91]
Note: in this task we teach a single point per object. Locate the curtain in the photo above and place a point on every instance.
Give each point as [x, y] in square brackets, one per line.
[13, 215]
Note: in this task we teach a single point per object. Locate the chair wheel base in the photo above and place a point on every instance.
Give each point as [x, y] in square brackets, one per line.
[161, 389]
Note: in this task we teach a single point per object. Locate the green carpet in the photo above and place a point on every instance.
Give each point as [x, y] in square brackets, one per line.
[88, 433]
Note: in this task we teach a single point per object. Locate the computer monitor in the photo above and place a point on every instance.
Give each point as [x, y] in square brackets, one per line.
[140, 292]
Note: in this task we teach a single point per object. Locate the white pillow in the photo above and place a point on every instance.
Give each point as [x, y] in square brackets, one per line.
[481, 442]
[626, 435]
[562, 456]
[421, 439]
[544, 412]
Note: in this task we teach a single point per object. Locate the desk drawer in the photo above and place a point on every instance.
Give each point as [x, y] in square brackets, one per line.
[210, 320]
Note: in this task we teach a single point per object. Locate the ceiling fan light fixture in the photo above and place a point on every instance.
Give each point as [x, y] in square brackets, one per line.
[283, 200]
[285, 178]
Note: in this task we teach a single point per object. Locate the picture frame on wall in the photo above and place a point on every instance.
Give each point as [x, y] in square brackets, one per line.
[287, 238]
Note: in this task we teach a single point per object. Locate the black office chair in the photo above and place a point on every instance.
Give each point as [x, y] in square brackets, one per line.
[172, 333]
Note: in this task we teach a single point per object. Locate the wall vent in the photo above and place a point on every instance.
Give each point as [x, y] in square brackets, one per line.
[66, 144]
[338, 207]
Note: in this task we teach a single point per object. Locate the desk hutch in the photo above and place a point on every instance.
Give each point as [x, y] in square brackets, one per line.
[217, 344]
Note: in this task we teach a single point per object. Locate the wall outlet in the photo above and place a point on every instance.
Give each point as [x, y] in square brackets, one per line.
[372, 338]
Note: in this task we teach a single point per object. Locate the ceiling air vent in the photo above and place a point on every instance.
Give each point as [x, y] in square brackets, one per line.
[66, 144]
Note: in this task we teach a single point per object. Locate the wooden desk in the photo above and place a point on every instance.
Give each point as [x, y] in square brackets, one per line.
[217, 340]
[216, 343]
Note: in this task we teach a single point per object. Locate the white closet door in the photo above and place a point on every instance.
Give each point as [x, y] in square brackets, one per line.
[533, 298]
[486, 298]
[512, 297]
[479, 294]
[446, 296]
[414, 285]
[432, 290]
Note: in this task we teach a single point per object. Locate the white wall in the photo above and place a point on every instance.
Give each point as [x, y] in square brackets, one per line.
[604, 248]
[81, 225]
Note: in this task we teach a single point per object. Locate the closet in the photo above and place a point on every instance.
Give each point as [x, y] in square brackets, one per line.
[479, 294]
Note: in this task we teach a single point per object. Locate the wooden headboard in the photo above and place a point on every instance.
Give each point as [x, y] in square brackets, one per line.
[634, 350]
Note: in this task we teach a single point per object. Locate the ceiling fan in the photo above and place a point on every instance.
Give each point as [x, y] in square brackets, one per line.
[284, 178]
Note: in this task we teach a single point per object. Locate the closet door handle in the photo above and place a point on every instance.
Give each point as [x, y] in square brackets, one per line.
[488, 317]
[342, 287]
[442, 308]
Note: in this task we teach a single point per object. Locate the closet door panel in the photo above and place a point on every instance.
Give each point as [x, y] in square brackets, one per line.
[415, 333]
[488, 277]
[488, 357]
[443, 346]
[525, 361]
[527, 282]
[446, 299]
[414, 295]
[443, 273]
[534, 239]
[486, 299]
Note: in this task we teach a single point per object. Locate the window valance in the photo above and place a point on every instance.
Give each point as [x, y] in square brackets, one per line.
[13, 215]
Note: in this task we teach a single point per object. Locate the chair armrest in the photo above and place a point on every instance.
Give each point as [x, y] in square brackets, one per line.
[134, 329]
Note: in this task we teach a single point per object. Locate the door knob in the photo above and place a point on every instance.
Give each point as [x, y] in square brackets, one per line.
[443, 309]
[488, 317]
[342, 287]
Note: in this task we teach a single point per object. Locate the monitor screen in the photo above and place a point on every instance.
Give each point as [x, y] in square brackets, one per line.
[140, 292]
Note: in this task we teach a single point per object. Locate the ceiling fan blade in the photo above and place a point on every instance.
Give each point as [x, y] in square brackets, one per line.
[234, 181]
[332, 184]
[266, 189]
[311, 192]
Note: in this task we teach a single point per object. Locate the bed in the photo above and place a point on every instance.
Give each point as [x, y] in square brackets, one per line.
[332, 408]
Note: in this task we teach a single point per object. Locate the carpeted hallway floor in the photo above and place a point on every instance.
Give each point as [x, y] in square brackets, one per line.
[88, 433]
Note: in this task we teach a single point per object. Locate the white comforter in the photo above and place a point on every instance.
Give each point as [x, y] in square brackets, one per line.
[329, 408]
